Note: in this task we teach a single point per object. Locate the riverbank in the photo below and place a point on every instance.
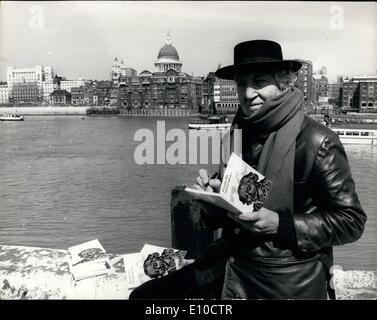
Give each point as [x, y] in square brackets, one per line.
[98, 110]
[159, 112]
[45, 110]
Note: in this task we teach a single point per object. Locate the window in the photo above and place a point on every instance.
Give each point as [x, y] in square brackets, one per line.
[364, 134]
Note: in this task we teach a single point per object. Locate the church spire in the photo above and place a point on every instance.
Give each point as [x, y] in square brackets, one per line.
[168, 38]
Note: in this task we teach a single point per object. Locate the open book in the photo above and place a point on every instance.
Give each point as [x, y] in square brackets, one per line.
[232, 197]
[88, 260]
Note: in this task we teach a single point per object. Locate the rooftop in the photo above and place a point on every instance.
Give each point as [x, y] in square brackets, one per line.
[59, 92]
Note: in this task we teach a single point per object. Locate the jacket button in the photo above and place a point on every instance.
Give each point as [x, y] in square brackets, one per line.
[236, 230]
[231, 259]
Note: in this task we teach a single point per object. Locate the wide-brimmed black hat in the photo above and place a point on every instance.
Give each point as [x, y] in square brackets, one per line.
[257, 55]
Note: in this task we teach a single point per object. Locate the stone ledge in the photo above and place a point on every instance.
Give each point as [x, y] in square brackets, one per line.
[43, 273]
[355, 284]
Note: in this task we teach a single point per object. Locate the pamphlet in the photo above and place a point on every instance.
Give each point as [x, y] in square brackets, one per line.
[133, 267]
[236, 196]
[89, 259]
[152, 262]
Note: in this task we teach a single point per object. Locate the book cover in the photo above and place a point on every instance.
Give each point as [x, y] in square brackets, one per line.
[152, 262]
[89, 259]
[243, 189]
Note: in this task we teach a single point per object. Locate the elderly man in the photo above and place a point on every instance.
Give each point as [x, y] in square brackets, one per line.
[284, 250]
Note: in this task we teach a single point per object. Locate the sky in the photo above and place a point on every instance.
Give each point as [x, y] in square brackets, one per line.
[80, 39]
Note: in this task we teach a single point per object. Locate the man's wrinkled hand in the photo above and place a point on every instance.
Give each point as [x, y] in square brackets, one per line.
[263, 221]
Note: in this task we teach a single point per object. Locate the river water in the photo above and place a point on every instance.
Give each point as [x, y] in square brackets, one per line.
[65, 180]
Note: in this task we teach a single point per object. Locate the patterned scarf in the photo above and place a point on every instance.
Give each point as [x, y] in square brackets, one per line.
[280, 119]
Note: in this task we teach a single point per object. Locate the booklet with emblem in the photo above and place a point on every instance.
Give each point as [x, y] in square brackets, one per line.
[152, 262]
[88, 260]
[243, 189]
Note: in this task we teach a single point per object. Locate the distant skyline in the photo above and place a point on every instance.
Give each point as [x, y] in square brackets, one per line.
[81, 39]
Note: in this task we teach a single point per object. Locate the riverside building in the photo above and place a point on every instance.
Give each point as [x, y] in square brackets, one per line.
[60, 97]
[359, 94]
[305, 81]
[225, 96]
[4, 94]
[63, 84]
[26, 84]
[69, 84]
[25, 93]
[47, 88]
[320, 87]
[334, 93]
[167, 87]
[119, 72]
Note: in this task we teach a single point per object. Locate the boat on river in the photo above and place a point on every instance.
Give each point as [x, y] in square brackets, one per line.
[349, 135]
[352, 130]
[211, 122]
[11, 117]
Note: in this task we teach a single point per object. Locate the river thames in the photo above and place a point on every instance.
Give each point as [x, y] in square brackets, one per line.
[65, 180]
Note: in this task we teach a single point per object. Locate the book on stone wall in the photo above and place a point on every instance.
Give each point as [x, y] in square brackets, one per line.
[152, 262]
[243, 189]
[88, 260]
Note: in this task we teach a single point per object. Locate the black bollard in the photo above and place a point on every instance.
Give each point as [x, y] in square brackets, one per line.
[188, 229]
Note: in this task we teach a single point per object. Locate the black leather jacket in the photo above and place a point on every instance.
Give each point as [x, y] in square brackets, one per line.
[327, 211]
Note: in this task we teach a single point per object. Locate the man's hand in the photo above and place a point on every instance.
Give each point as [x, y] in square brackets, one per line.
[263, 222]
[204, 183]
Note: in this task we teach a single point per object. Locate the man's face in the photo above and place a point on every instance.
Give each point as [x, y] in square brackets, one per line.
[254, 89]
